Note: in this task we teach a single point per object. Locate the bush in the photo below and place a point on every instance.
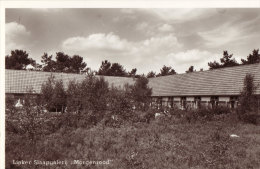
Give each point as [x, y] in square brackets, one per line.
[248, 109]
[120, 102]
[53, 95]
[27, 120]
[141, 93]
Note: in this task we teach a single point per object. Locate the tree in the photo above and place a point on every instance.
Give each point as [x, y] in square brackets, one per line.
[48, 64]
[18, 60]
[166, 70]
[108, 69]
[77, 64]
[141, 92]
[214, 65]
[53, 94]
[191, 69]
[151, 74]
[252, 58]
[63, 63]
[73, 97]
[225, 61]
[104, 68]
[117, 70]
[248, 99]
[47, 90]
[132, 73]
[59, 96]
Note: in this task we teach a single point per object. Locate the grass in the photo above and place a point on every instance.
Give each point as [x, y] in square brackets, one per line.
[163, 143]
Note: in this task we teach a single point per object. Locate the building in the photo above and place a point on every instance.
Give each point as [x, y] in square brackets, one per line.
[209, 88]
[213, 87]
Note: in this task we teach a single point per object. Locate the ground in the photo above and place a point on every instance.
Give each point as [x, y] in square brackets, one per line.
[162, 143]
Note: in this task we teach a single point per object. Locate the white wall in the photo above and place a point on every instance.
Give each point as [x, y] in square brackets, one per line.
[205, 99]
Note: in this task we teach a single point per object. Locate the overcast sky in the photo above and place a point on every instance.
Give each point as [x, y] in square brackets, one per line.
[145, 39]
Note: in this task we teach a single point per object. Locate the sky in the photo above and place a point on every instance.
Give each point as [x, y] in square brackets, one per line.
[142, 38]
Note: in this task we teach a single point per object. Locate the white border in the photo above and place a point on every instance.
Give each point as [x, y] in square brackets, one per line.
[133, 4]
[96, 4]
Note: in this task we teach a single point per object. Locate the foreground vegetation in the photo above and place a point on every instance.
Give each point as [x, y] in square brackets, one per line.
[174, 142]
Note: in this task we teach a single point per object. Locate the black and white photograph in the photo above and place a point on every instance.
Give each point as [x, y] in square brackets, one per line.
[132, 88]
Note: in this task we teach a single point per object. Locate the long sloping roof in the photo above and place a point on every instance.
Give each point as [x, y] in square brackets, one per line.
[217, 82]
[224, 81]
[22, 81]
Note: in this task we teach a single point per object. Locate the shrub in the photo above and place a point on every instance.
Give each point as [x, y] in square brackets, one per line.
[47, 90]
[248, 109]
[28, 120]
[74, 97]
[221, 110]
[141, 93]
[94, 94]
[53, 95]
[120, 102]
[59, 96]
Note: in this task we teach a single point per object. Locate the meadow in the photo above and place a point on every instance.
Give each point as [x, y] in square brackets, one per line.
[165, 142]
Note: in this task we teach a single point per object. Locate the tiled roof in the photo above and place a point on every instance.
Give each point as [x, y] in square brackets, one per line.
[218, 82]
[21, 81]
[225, 81]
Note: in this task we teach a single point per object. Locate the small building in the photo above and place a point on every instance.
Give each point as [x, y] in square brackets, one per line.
[190, 90]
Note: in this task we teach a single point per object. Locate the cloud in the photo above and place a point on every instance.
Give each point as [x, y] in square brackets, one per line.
[194, 57]
[142, 26]
[96, 42]
[221, 35]
[16, 36]
[114, 48]
[231, 32]
[152, 29]
[165, 28]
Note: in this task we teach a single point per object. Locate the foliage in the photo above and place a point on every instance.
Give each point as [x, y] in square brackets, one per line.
[18, 60]
[117, 70]
[59, 96]
[27, 119]
[225, 61]
[166, 70]
[248, 100]
[141, 93]
[121, 102]
[142, 145]
[53, 95]
[63, 63]
[94, 94]
[48, 63]
[74, 97]
[191, 69]
[151, 74]
[132, 73]
[252, 58]
[104, 68]
[114, 69]
[47, 90]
